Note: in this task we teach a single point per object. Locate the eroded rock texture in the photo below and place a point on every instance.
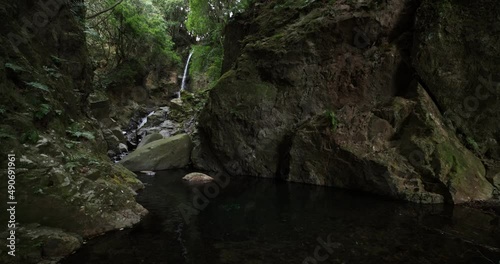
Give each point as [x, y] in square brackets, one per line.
[327, 94]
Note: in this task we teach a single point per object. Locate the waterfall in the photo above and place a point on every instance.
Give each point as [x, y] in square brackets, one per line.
[184, 77]
[144, 121]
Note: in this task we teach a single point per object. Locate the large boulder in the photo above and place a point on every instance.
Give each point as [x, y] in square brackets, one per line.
[150, 138]
[168, 153]
[326, 94]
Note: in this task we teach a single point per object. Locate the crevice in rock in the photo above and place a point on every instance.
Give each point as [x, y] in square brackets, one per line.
[208, 150]
[283, 166]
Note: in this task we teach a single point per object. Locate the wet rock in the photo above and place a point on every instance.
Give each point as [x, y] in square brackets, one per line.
[150, 138]
[197, 177]
[166, 133]
[163, 154]
[111, 140]
[122, 148]
[493, 177]
[100, 106]
[111, 153]
[118, 133]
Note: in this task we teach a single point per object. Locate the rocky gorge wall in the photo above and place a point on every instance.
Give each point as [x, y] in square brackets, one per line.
[359, 96]
[66, 187]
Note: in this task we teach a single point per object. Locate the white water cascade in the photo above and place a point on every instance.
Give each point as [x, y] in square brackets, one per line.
[144, 121]
[184, 77]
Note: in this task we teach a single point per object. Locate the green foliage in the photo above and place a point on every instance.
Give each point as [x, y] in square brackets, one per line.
[14, 67]
[52, 72]
[125, 73]
[6, 135]
[70, 144]
[31, 137]
[174, 13]
[206, 20]
[57, 60]
[42, 111]
[144, 21]
[206, 60]
[7, 132]
[76, 131]
[38, 85]
[82, 134]
[79, 159]
[333, 119]
[134, 29]
[72, 165]
[199, 20]
[472, 144]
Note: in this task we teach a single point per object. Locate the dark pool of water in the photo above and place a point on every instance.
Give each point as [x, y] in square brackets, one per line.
[264, 221]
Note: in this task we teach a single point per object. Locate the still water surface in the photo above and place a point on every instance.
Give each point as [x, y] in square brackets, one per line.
[264, 221]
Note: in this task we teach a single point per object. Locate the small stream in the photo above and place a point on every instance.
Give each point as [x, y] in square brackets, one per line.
[263, 221]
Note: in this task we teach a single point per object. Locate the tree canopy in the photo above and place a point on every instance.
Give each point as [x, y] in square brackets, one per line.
[160, 32]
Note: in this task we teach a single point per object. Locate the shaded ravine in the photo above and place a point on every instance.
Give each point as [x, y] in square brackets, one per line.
[264, 221]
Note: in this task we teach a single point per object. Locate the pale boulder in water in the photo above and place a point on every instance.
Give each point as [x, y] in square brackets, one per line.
[197, 177]
[168, 153]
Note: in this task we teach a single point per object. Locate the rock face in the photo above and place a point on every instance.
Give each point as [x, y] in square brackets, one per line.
[163, 154]
[326, 94]
[197, 177]
[457, 55]
[65, 183]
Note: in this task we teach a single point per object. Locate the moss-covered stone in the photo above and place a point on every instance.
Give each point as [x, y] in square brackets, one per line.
[163, 154]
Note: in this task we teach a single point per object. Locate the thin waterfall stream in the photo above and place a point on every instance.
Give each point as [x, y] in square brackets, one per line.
[184, 77]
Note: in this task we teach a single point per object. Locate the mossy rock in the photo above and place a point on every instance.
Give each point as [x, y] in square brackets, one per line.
[163, 154]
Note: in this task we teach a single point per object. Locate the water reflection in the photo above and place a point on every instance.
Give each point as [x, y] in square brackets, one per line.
[263, 221]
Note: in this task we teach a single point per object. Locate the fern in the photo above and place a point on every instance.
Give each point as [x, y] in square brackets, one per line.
[37, 85]
[71, 166]
[43, 111]
[76, 131]
[14, 67]
[81, 134]
[5, 135]
[31, 136]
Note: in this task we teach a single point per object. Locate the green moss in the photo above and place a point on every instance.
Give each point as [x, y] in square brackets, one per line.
[456, 161]
[472, 144]
[123, 177]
